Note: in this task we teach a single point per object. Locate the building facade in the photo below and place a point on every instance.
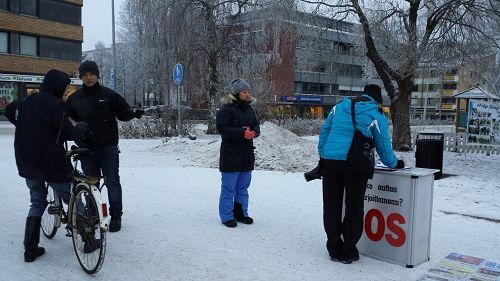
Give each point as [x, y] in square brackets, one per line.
[317, 66]
[36, 36]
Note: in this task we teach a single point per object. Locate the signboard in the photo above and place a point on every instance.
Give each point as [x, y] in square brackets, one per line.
[112, 83]
[396, 225]
[318, 99]
[31, 79]
[177, 74]
[483, 123]
[7, 95]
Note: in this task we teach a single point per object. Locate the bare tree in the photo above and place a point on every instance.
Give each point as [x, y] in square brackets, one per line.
[397, 35]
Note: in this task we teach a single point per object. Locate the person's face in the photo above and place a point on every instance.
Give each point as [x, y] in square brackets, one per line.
[89, 79]
[69, 90]
[245, 95]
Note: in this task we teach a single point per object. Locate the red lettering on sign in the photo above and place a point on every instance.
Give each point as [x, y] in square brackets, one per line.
[400, 234]
[379, 232]
[396, 236]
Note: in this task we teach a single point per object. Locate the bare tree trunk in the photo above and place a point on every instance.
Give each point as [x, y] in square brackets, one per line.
[400, 115]
[213, 81]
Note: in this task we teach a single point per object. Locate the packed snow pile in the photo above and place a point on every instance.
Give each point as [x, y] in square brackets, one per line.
[275, 149]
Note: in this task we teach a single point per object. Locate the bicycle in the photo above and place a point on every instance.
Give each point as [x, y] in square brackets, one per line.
[86, 217]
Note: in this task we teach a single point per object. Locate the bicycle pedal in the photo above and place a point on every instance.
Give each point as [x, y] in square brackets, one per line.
[53, 210]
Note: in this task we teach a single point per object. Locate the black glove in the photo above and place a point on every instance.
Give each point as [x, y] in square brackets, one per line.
[83, 135]
[138, 113]
[400, 164]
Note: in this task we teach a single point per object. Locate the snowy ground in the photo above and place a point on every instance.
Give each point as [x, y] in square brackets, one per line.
[171, 229]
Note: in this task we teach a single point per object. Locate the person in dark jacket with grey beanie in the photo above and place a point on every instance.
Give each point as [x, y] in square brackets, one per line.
[99, 107]
[238, 126]
[42, 126]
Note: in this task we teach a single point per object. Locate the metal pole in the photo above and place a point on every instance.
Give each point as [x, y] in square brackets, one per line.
[179, 110]
[114, 43]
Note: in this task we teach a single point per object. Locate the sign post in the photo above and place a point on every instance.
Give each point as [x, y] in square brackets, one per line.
[177, 74]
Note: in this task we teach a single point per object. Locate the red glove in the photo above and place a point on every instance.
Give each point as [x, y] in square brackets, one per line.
[249, 134]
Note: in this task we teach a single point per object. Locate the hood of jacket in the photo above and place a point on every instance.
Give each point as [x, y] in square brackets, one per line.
[55, 83]
[366, 104]
[230, 99]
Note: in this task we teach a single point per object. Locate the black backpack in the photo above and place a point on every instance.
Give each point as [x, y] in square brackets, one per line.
[361, 153]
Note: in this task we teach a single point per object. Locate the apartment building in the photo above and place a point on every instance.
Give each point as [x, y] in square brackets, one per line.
[36, 36]
[318, 65]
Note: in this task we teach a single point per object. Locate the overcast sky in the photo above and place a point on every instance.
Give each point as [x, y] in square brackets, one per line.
[96, 21]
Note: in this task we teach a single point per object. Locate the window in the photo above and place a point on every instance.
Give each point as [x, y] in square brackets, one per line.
[4, 5]
[29, 45]
[59, 49]
[29, 7]
[4, 42]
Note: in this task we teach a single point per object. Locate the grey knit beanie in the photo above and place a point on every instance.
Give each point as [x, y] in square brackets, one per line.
[239, 85]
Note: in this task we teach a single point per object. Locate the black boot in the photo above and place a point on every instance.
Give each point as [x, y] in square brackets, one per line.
[116, 223]
[230, 223]
[31, 239]
[239, 216]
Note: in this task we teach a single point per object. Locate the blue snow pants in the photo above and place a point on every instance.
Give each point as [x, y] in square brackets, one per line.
[234, 188]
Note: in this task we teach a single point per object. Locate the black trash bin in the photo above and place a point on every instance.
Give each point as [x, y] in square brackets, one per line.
[429, 152]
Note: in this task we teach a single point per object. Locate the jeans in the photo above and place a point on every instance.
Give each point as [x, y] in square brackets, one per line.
[234, 188]
[107, 161]
[38, 195]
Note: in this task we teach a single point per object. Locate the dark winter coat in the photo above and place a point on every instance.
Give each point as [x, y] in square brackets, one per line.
[99, 107]
[236, 152]
[42, 126]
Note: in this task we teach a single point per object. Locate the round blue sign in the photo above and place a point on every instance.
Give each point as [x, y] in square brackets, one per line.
[177, 73]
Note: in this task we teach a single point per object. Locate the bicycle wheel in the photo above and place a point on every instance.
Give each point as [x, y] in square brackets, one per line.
[89, 240]
[48, 224]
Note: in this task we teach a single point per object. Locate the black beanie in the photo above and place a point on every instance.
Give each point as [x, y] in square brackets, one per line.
[88, 66]
[374, 91]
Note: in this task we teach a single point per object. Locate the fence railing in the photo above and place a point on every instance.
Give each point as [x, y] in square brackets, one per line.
[456, 142]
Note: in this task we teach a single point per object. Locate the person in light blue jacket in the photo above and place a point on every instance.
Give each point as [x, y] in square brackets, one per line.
[334, 143]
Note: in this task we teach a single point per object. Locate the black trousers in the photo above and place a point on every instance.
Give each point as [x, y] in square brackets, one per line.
[343, 233]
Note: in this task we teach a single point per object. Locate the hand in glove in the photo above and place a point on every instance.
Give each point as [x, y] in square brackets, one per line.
[83, 135]
[248, 134]
[400, 164]
[138, 113]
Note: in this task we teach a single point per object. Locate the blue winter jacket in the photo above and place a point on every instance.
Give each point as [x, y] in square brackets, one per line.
[336, 134]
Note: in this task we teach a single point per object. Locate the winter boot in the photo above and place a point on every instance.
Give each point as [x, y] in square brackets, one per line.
[239, 216]
[230, 223]
[349, 255]
[116, 223]
[31, 239]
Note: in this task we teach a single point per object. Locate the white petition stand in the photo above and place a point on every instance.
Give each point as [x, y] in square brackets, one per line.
[398, 216]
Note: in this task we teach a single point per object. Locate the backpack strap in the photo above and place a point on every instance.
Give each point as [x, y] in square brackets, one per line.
[353, 105]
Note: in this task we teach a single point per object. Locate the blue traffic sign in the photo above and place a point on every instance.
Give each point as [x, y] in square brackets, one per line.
[177, 73]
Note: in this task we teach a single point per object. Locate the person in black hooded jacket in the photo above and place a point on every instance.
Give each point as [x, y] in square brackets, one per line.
[99, 107]
[42, 126]
[238, 126]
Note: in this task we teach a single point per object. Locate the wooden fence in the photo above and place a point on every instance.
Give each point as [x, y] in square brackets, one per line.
[456, 143]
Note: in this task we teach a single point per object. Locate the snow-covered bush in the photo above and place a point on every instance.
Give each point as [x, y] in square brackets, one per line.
[152, 127]
[300, 127]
